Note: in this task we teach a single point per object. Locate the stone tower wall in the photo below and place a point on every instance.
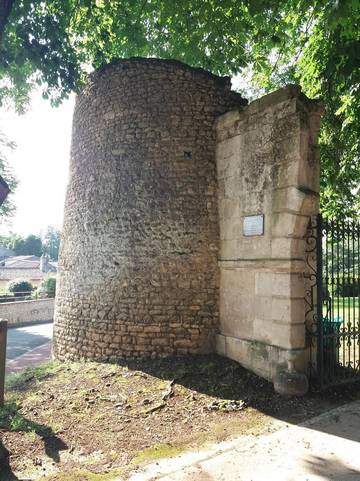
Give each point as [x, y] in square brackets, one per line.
[138, 271]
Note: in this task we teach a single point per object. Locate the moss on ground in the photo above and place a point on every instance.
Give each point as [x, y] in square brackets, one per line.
[159, 451]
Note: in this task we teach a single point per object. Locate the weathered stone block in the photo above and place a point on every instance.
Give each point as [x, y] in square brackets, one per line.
[220, 344]
[241, 280]
[287, 248]
[286, 336]
[290, 285]
[263, 307]
[287, 310]
[252, 355]
[286, 224]
[295, 200]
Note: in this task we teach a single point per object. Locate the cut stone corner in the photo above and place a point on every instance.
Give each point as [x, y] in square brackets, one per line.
[285, 368]
[291, 383]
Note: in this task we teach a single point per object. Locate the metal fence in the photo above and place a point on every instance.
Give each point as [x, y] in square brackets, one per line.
[334, 333]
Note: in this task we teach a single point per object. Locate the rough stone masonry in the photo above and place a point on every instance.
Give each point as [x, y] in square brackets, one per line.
[138, 265]
[144, 241]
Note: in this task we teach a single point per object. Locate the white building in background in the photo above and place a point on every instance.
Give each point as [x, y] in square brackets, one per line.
[30, 268]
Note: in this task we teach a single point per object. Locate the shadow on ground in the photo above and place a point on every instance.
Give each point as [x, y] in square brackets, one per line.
[334, 468]
[12, 420]
[214, 376]
[6, 473]
[226, 379]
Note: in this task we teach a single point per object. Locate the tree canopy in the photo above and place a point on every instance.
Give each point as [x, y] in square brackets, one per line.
[51, 242]
[30, 245]
[7, 209]
[315, 43]
[33, 244]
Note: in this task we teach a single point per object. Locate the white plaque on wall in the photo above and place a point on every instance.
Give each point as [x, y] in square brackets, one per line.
[253, 225]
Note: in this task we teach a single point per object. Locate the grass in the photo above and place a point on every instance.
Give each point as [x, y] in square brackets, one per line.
[349, 302]
[22, 380]
[345, 309]
[12, 420]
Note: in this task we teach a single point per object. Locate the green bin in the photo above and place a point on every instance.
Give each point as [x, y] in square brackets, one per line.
[330, 343]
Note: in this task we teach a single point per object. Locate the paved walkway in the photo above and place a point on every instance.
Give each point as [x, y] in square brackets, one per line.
[325, 448]
[23, 339]
[29, 359]
[28, 346]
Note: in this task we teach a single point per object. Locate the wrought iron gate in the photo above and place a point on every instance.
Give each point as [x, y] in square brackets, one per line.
[333, 301]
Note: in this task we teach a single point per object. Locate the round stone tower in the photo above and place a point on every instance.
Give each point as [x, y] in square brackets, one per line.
[138, 273]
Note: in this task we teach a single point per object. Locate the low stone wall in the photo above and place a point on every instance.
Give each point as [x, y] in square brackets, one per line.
[27, 311]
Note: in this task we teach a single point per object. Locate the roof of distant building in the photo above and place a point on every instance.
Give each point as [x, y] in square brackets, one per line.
[25, 262]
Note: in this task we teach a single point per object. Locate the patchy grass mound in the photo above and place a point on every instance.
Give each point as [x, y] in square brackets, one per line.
[92, 422]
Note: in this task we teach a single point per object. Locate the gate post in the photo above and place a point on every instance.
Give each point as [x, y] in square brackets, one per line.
[3, 337]
[268, 174]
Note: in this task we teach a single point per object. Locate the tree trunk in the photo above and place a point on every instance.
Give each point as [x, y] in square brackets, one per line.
[5, 9]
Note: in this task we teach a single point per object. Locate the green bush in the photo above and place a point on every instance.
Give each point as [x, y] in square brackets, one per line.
[348, 288]
[20, 287]
[47, 287]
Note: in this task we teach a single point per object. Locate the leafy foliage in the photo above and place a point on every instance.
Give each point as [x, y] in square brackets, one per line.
[315, 43]
[30, 245]
[319, 48]
[51, 242]
[20, 286]
[349, 288]
[33, 244]
[7, 209]
[48, 286]
[8, 240]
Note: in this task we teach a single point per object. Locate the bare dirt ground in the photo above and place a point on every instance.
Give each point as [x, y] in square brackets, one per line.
[92, 422]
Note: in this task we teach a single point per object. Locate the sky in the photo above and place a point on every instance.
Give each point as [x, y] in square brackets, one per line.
[40, 162]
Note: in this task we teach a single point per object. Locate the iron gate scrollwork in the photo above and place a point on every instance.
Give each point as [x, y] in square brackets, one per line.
[333, 301]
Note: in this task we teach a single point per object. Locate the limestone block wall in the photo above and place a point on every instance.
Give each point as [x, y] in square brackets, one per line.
[27, 311]
[138, 273]
[268, 165]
